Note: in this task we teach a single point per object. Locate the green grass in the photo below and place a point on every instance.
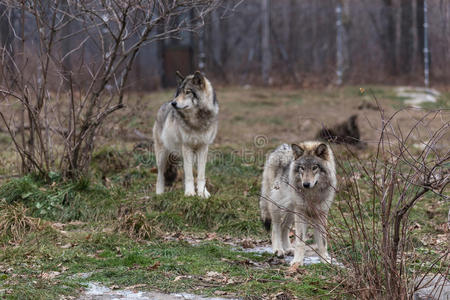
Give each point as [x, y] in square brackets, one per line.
[113, 258]
[443, 102]
[116, 260]
[60, 201]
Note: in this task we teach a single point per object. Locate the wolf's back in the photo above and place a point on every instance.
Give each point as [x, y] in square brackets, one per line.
[277, 161]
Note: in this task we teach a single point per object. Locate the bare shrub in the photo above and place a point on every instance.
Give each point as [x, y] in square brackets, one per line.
[372, 233]
[67, 67]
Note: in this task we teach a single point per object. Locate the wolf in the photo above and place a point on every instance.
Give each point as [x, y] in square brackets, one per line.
[185, 127]
[346, 132]
[298, 187]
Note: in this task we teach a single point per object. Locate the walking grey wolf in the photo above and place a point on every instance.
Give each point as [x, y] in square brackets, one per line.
[298, 187]
[185, 127]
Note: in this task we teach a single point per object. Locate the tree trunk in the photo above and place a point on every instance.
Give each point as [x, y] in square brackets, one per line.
[419, 26]
[265, 41]
[406, 37]
[293, 31]
[388, 37]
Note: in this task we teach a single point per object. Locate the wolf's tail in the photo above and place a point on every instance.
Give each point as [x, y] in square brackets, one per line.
[171, 171]
[275, 163]
[267, 182]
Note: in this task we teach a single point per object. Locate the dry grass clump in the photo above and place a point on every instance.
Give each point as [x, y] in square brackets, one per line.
[15, 223]
[137, 225]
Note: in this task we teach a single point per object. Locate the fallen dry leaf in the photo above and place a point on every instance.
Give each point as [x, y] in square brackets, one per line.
[293, 269]
[67, 246]
[58, 226]
[77, 223]
[133, 287]
[213, 274]
[50, 275]
[182, 277]
[155, 266]
[247, 244]
[220, 293]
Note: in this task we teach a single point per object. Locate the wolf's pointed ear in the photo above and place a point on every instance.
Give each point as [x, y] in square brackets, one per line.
[322, 151]
[298, 151]
[198, 79]
[180, 77]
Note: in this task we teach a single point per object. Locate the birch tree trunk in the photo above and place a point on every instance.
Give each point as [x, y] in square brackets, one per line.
[265, 41]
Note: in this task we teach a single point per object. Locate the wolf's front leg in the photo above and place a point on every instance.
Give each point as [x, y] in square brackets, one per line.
[188, 161]
[277, 245]
[161, 162]
[300, 235]
[320, 237]
[287, 246]
[202, 156]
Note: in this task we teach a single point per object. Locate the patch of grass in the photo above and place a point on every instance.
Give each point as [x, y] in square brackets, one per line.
[47, 268]
[275, 120]
[295, 99]
[15, 223]
[443, 102]
[137, 225]
[144, 158]
[62, 201]
[108, 161]
[5, 138]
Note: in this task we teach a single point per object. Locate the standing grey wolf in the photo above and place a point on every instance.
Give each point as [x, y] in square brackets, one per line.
[185, 127]
[298, 187]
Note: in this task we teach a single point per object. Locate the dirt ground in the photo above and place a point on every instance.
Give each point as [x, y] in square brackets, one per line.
[284, 115]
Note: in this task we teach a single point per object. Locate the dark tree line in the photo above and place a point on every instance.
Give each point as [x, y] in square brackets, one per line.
[382, 41]
[294, 41]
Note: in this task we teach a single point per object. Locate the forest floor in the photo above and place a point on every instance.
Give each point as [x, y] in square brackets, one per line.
[111, 233]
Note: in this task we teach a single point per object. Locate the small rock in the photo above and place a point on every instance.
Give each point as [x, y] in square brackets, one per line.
[432, 288]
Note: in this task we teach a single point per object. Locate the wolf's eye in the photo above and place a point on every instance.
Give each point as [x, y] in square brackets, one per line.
[188, 92]
[314, 168]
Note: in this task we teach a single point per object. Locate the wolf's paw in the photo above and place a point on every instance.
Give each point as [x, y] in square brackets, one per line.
[325, 258]
[289, 251]
[189, 193]
[159, 190]
[204, 193]
[296, 263]
[279, 253]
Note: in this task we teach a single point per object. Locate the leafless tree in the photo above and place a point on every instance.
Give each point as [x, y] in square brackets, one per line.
[68, 67]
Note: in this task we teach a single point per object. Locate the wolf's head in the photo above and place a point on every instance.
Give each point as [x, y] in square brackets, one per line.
[310, 164]
[192, 91]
